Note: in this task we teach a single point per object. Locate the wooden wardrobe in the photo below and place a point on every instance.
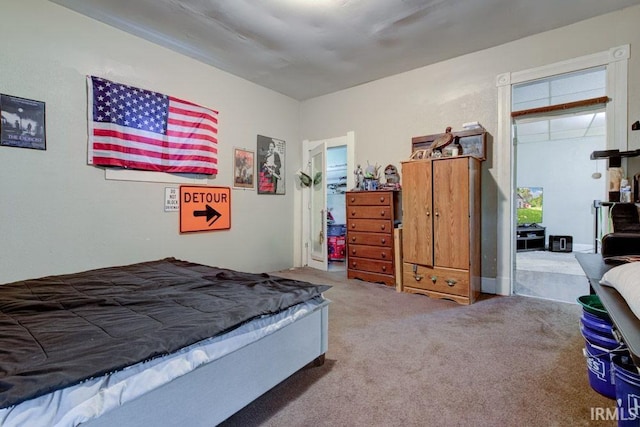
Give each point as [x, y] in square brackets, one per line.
[441, 227]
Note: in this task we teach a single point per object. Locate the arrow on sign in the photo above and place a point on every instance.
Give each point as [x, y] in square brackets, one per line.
[210, 213]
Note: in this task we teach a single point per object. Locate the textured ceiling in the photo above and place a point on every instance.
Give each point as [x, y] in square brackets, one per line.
[307, 48]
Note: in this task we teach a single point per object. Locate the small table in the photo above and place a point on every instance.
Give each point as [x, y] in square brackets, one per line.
[627, 323]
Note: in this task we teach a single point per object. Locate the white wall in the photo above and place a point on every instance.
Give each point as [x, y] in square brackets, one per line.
[387, 113]
[60, 215]
[563, 169]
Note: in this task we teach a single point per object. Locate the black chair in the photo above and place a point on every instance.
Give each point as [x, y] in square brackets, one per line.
[625, 238]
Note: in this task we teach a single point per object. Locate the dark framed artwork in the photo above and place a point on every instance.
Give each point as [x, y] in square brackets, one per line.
[22, 122]
[243, 168]
[271, 161]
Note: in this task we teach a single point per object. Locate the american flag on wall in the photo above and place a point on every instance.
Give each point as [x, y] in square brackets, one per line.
[139, 129]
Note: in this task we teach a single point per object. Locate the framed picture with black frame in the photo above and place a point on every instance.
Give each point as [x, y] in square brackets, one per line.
[271, 165]
[22, 123]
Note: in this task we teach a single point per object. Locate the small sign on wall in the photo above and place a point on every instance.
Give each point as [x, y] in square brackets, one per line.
[171, 199]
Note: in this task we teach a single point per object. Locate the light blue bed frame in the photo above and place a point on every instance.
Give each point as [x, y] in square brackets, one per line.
[212, 393]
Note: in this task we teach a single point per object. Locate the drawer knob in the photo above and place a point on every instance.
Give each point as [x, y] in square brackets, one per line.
[353, 199]
[382, 213]
[381, 199]
[383, 254]
[353, 239]
[353, 226]
[353, 213]
[383, 241]
[451, 282]
[353, 251]
[382, 227]
[434, 279]
[428, 213]
[384, 268]
[353, 264]
[437, 214]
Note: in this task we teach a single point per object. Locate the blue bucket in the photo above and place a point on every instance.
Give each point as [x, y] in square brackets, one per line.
[627, 382]
[599, 339]
[597, 324]
[598, 351]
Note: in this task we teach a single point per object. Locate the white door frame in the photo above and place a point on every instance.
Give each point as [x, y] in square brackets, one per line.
[307, 146]
[615, 60]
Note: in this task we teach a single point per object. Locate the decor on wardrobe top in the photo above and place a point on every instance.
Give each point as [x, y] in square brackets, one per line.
[22, 123]
[139, 129]
[435, 148]
[271, 161]
[471, 142]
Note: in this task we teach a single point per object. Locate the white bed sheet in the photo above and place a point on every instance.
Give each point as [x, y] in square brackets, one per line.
[82, 402]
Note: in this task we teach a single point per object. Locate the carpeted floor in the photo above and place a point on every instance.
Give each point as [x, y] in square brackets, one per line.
[398, 359]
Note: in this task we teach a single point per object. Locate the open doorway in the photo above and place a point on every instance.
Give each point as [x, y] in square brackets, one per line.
[336, 183]
[615, 61]
[324, 217]
[559, 121]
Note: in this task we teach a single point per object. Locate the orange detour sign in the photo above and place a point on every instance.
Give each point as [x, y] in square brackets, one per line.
[204, 208]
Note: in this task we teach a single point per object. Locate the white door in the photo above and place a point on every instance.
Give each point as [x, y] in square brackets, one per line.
[314, 221]
[318, 209]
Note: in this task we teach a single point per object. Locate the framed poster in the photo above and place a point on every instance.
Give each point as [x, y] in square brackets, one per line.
[271, 161]
[243, 168]
[22, 122]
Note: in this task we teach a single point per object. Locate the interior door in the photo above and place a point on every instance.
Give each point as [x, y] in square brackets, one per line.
[318, 210]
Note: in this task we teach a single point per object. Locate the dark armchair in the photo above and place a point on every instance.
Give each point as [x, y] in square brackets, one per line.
[625, 238]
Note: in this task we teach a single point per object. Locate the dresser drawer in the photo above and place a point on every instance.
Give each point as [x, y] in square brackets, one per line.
[383, 253]
[370, 225]
[370, 198]
[372, 265]
[443, 280]
[373, 212]
[373, 239]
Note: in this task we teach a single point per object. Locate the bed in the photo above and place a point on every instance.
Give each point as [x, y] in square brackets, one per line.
[161, 343]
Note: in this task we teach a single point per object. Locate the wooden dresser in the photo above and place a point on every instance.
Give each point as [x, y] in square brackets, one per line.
[370, 244]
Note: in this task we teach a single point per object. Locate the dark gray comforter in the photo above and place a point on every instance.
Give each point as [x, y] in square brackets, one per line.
[60, 330]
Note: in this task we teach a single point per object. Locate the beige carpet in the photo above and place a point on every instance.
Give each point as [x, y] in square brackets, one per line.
[398, 359]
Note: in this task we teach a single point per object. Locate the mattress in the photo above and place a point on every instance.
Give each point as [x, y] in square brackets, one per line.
[66, 330]
[90, 399]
